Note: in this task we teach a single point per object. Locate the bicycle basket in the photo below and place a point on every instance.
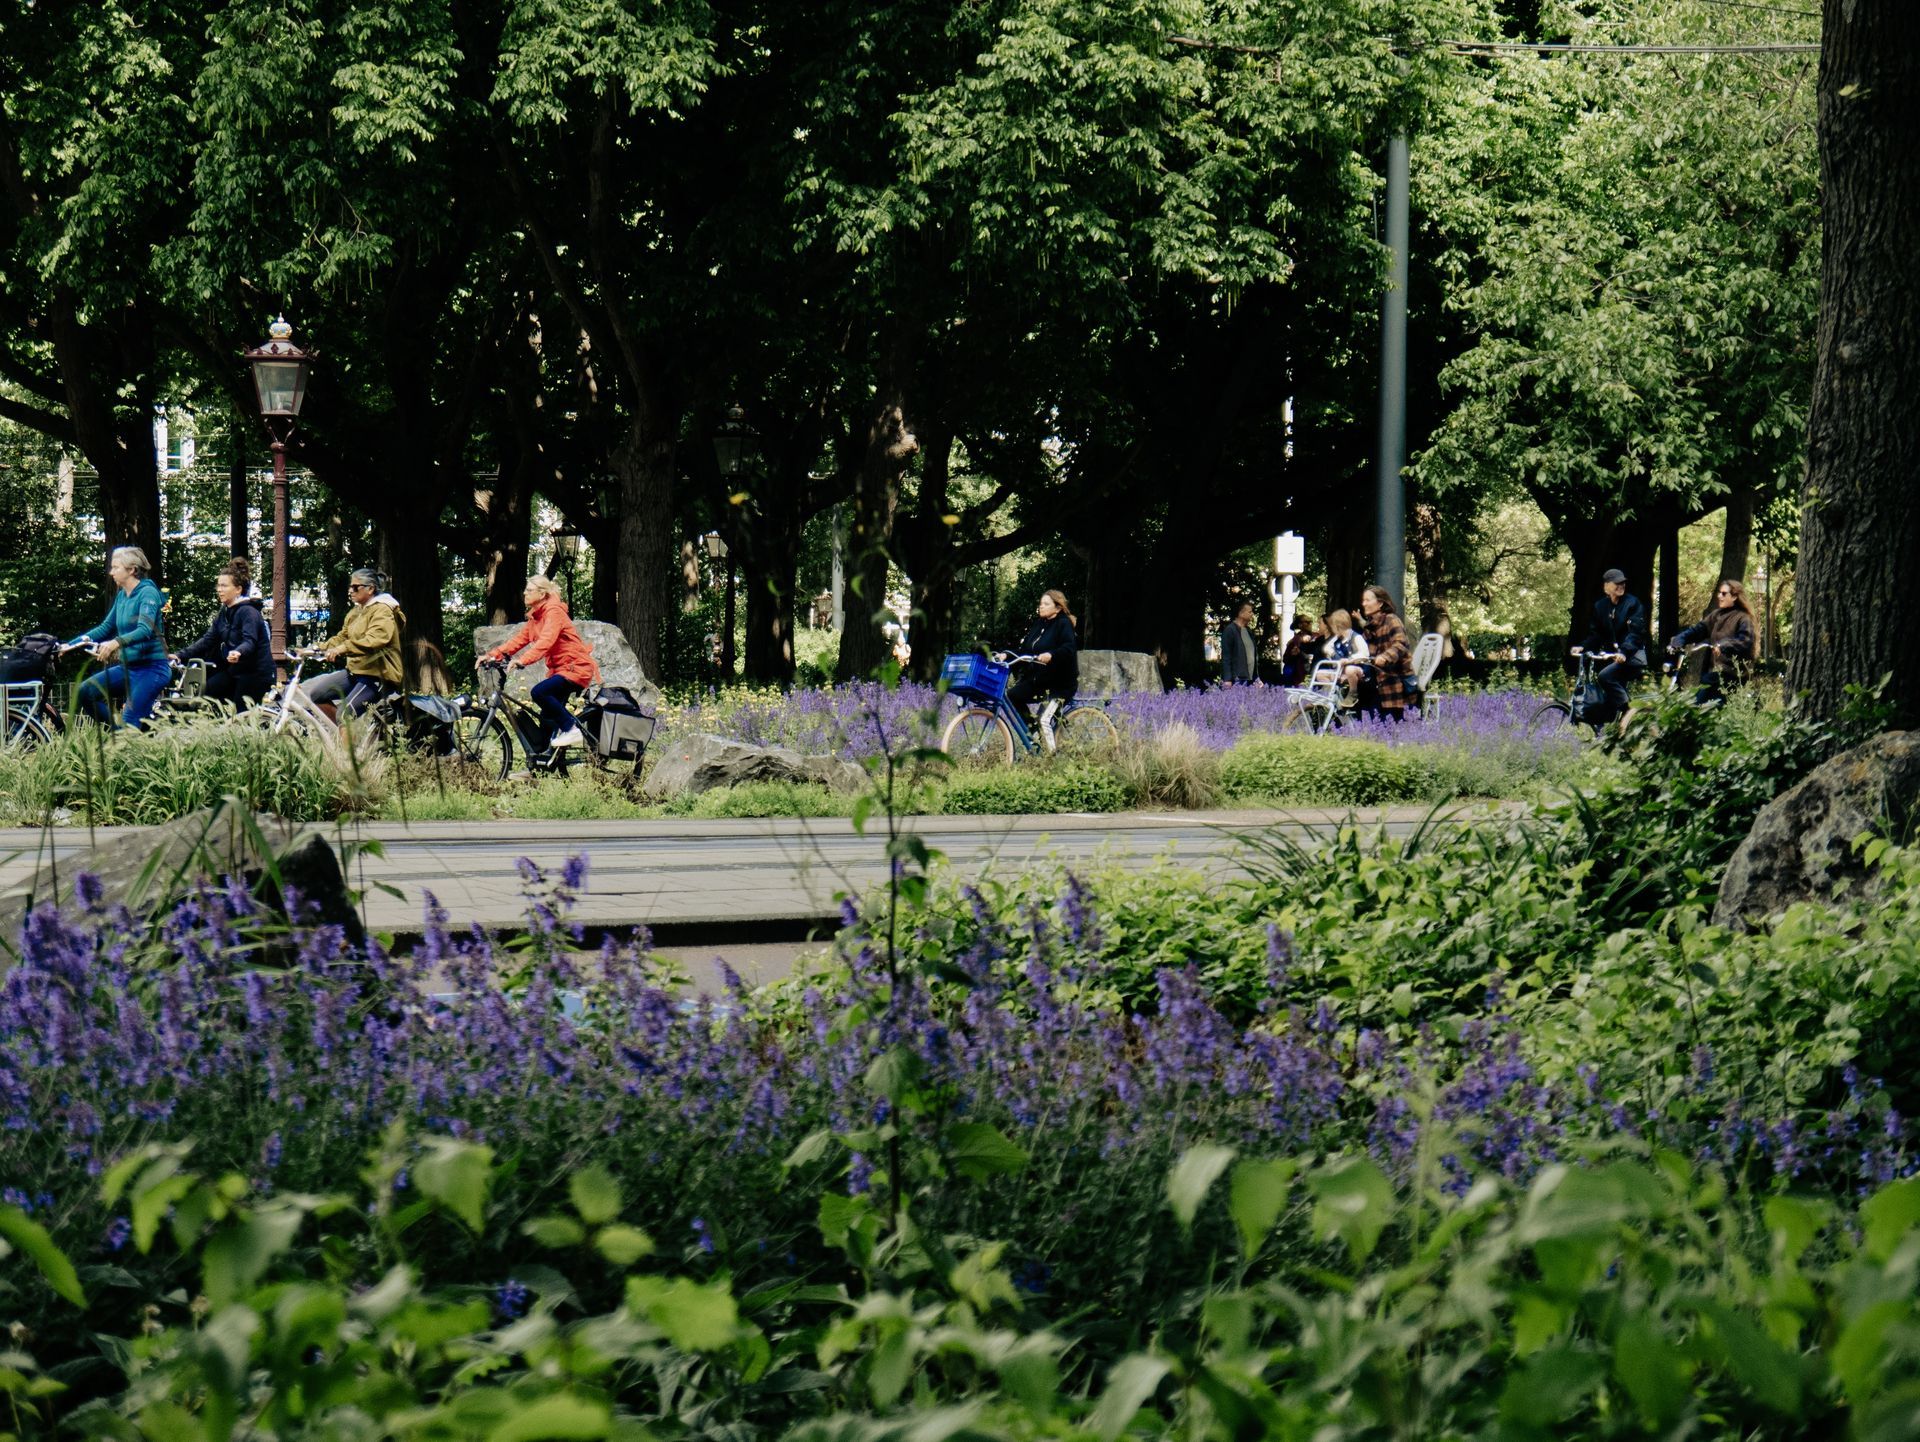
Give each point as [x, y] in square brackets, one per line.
[1586, 698]
[975, 678]
[31, 660]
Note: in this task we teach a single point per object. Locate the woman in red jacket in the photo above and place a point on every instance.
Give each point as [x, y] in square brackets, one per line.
[549, 636]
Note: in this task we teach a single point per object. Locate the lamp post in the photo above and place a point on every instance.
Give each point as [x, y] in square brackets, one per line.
[280, 380]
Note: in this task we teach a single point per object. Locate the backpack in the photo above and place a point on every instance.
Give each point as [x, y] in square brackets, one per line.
[31, 660]
[616, 726]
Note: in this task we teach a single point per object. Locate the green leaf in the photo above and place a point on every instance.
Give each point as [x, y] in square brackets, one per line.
[555, 1231]
[1793, 1223]
[1192, 1177]
[812, 1147]
[33, 1239]
[890, 1368]
[595, 1194]
[1256, 1196]
[1654, 1371]
[1131, 1382]
[1353, 1200]
[980, 1151]
[695, 1318]
[241, 1251]
[623, 1245]
[1550, 1387]
[1886, 1216]
[455, 1174]
[1755, 1360]
[562, 1417]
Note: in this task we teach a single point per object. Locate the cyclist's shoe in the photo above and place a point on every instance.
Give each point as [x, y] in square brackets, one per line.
[569, 737]
[546, 760]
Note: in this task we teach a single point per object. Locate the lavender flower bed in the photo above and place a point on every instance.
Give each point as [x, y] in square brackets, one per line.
[1477, 722]
[288, 1075]
[854, 721]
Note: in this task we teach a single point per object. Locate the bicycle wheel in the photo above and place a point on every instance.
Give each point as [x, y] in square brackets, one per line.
[1084, 730]
[1553, 716]
[484, 742]
[1310, 717]
[25, 730]
[978, 735]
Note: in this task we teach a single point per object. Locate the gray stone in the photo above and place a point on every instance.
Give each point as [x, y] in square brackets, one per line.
[703, 762]
[151, 868]
[1108, 673]
[1801, 843]
[618, 665]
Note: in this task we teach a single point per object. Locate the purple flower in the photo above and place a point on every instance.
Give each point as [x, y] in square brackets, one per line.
[510, 1302]
[118, 1233]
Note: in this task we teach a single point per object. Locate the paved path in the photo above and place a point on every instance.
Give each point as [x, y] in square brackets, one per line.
[770, 880]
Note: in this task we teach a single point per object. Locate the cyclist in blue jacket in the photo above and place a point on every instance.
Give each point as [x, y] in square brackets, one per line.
[130, 643]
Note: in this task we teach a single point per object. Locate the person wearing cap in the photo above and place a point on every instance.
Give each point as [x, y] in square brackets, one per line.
[368, 643]
[1620, 631]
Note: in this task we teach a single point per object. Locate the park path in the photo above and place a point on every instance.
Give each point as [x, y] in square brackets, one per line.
[751, 888]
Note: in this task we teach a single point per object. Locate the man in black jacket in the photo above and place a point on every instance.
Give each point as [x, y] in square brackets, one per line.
[236, 647]
[1619, 630]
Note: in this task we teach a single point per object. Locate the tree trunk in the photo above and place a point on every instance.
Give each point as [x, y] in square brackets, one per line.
[1737, 547]
[644, 468]
[890, 445]
[1668, 621]
[1349, 562]
[410, 555]
[130, 488]
[1858, 576]
[1425, 539]
[925, 543]
[605, 604]
[508, 513]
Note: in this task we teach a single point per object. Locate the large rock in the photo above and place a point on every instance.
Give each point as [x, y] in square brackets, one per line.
[151, 868]
[1801, 843]
[1108, 673]
[703, 762]
[618, 665]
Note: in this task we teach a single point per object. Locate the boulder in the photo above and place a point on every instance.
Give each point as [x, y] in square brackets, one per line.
[618, 665]
[703, 762]
[150, 868]
[1801, 843]
[1108, 673]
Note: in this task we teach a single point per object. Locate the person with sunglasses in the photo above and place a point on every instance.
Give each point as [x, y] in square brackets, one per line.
[368, 642]
[1727, 629]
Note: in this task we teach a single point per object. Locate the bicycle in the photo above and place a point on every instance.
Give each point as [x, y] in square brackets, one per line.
[1556, 714]
[988, 724]
[613, 728]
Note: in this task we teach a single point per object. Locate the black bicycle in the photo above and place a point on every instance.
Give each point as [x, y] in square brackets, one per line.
[613, 727]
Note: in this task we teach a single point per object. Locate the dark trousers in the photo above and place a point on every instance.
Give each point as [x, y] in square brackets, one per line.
[241, 691]
[1613, 681]
[1033, 686]
[551, 696]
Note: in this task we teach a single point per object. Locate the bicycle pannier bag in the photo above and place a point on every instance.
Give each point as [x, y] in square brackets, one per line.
[31, 660]
[616, 726]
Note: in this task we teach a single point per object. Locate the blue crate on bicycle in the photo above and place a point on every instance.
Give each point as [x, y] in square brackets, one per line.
[975, 678]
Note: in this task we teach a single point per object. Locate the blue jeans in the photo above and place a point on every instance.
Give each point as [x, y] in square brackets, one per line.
[551, 697]
[139, 683]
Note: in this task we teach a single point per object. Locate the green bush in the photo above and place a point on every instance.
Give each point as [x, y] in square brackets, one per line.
[1033, 789]
[771, 798]
[1326, 770]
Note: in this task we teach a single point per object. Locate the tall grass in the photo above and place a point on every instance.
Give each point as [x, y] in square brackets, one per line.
[129, 778]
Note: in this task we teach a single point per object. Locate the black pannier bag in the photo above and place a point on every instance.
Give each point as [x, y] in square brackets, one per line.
[31, 660]
[615, 724]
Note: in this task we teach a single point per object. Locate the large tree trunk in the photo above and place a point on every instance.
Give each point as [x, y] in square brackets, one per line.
[409, 542]
[1668, 620]
[644, 468]
[1859, 571]
[1425, 538]
[130, 488]
[508, 517]
[890, 445]
[925, 543]
[1736, 548]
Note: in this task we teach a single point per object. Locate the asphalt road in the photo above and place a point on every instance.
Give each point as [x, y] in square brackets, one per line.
[700, 882]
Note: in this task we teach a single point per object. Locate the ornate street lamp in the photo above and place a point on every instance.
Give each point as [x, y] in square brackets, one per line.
[280, 379]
